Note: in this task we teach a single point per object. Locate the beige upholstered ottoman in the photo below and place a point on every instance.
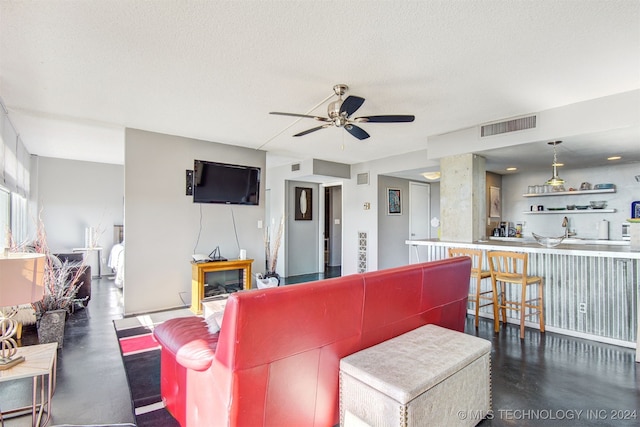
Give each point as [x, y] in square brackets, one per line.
[429, 376]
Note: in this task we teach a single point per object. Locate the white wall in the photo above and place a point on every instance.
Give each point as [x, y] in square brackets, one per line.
[627, 191]
[393, 230]
[302, 244]
[163, 227]
[582, 118]
[355, 217]
[73, 195]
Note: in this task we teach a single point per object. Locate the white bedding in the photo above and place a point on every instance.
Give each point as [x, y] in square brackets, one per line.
[116, 263]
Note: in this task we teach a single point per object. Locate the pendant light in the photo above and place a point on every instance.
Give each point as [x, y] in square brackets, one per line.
[555, 180]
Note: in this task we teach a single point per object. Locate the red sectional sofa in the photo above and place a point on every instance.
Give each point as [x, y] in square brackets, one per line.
[275, 361]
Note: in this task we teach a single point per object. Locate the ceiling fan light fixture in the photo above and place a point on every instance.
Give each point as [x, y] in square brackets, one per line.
[555, 180]
[339, 115]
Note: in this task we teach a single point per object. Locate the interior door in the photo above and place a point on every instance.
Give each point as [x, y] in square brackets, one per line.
[419, 214]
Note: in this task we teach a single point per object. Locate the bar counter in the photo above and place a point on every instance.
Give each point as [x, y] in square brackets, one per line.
[590, 290]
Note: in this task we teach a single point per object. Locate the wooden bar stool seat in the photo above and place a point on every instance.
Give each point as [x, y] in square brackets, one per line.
[477, 296]
[510, 268]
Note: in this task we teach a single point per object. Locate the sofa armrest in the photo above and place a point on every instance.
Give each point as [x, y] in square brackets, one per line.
[189, 340]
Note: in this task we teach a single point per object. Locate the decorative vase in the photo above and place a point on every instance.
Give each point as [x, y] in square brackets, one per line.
[273, 274]
[51, 327]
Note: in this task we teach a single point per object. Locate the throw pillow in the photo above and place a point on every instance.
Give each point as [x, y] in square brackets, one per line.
[214, 322]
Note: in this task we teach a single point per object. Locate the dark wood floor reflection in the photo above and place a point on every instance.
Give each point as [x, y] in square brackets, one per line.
[555, 380]
[544, 380]
[91, 383]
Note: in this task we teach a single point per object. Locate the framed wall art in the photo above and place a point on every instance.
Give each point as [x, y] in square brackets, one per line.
[394, 201]
[495, 207]
[303, 204]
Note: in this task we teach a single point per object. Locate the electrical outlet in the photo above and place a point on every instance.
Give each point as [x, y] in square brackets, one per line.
[582, 308]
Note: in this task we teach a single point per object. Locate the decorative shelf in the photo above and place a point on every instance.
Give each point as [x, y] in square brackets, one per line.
[570, 193]
[571, 211]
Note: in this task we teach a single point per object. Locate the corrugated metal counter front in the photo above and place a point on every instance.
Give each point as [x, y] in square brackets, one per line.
[591, 291]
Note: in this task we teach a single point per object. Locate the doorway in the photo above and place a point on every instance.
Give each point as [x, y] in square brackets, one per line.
[332, 232]
[419, 214]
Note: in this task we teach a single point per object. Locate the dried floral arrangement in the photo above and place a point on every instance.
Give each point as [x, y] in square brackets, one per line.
[271, 251]
[61, 279]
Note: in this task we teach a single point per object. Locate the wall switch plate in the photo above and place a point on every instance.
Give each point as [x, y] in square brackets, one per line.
[259, 223]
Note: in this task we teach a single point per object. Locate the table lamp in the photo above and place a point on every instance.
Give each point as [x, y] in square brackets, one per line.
[21, 282]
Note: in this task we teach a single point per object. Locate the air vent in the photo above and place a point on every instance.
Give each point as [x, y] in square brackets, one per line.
[363, 178]
[295, 167]
[514, 125]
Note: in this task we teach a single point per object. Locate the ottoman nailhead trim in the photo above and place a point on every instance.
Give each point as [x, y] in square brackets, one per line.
[490, 385]
[403, 415]
[340, 405]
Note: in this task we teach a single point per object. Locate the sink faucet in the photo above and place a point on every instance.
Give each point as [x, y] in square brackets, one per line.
[565, 225]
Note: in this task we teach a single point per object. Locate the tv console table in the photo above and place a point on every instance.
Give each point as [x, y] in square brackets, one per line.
[198, 275]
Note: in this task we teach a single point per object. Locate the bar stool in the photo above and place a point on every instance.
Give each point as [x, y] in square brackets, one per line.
[511, 268]
[478, 274]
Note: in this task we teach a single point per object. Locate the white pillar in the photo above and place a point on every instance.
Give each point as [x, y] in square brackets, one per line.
[462, 198]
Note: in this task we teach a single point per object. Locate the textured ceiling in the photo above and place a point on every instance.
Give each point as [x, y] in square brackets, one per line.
[73, 74]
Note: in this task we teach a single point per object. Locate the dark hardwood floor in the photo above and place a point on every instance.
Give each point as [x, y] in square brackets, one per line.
[544, 380]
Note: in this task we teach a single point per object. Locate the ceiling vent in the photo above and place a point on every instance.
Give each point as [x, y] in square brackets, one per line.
[363, 178]
[514, 125]
[295, 167]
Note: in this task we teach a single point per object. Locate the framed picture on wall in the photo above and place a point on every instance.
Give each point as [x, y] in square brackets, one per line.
[303, 204]
[394, 201]
[495, 207]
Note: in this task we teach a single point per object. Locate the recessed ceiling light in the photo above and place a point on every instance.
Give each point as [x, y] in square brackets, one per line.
[614, 158]
[512, 168]
[431, 175]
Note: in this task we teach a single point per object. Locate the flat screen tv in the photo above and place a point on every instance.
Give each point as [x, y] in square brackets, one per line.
[225, 183]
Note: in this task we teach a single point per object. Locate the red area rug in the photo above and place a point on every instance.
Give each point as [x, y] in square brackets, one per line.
[138, 344]
[141, 359]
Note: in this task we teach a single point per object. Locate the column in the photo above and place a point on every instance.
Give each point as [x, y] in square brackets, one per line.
[462, 198]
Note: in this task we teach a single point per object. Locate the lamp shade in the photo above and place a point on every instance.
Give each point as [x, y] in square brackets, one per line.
[21, 278]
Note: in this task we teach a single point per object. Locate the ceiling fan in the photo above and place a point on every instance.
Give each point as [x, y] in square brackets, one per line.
[339, 114]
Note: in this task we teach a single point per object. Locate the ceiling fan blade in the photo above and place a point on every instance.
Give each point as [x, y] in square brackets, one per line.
[356, 131]
[322, 119]
[303, 133]
[385, 119]
[351, 104]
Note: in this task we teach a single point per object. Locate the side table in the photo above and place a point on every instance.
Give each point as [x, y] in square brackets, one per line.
[40, 361]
